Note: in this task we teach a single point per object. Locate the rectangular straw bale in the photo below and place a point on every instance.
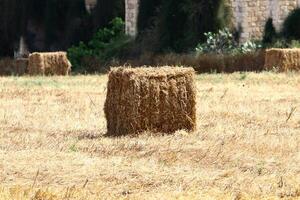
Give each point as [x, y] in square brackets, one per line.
[283, 59]
[50, 63]
[150, 99]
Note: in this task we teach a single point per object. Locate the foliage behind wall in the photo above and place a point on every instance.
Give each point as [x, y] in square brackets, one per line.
[49, 25]
[179, 25]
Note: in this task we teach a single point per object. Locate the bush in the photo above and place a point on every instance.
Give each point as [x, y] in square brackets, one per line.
[223, 42]
[291, 25]
[283, 43]
[294, 44]
[106, 45]
[249, 46]
[219, 43]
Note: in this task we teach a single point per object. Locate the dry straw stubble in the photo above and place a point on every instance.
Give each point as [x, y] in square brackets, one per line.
[150, 99]
[49, 63]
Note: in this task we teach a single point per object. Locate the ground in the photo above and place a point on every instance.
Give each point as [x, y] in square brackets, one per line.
[247, 143]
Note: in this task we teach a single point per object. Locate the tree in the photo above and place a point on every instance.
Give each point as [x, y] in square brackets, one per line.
[147, 11]
[180, 25]
[270, 34]
[52, 24]
[107, 10]
[291, 25]
[10, 26]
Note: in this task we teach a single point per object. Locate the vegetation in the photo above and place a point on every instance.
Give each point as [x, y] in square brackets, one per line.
[223, 42]
[270, 34]
[105, 45]
[179, 26]
[287, 37]
[51, 25]
[166, 27]
[291, 25]
[105, 11]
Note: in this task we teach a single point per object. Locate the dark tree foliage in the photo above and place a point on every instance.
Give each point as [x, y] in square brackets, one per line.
[180, 25]
[270, 34]
[64, 23]
[36, 10]
[147, 11]
[105, 11]
[291, 25]
[10, 26]
[50, 25]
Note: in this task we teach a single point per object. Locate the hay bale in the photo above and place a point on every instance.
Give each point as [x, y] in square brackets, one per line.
[51, 63]
[154, 99]
[283, 59]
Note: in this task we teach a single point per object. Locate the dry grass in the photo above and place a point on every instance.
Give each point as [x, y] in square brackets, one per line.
[247, 144]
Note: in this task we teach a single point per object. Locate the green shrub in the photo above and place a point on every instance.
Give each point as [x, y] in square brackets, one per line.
[249, 46]
[223, 42]
[294, 44]
[106, 45]
[219, 43]
[280, 43]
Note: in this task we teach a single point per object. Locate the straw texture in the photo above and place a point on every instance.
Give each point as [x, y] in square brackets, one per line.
[283, 59]
[52, 63]
[155, 99]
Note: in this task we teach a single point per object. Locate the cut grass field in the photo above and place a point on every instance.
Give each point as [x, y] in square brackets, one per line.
[247, 143]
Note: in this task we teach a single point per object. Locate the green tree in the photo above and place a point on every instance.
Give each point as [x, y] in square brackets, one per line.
[291, 25]
[270, 33]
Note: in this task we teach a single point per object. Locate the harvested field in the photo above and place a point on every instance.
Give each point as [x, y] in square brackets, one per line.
[247, 143]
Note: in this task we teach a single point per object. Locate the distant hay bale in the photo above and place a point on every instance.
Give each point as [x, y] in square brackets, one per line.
[51, 63]
[283, 59]
[150, 99]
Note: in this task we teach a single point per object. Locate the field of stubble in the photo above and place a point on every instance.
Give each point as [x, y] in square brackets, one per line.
[247, 145]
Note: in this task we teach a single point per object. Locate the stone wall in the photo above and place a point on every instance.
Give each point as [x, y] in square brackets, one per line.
[249, 15]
